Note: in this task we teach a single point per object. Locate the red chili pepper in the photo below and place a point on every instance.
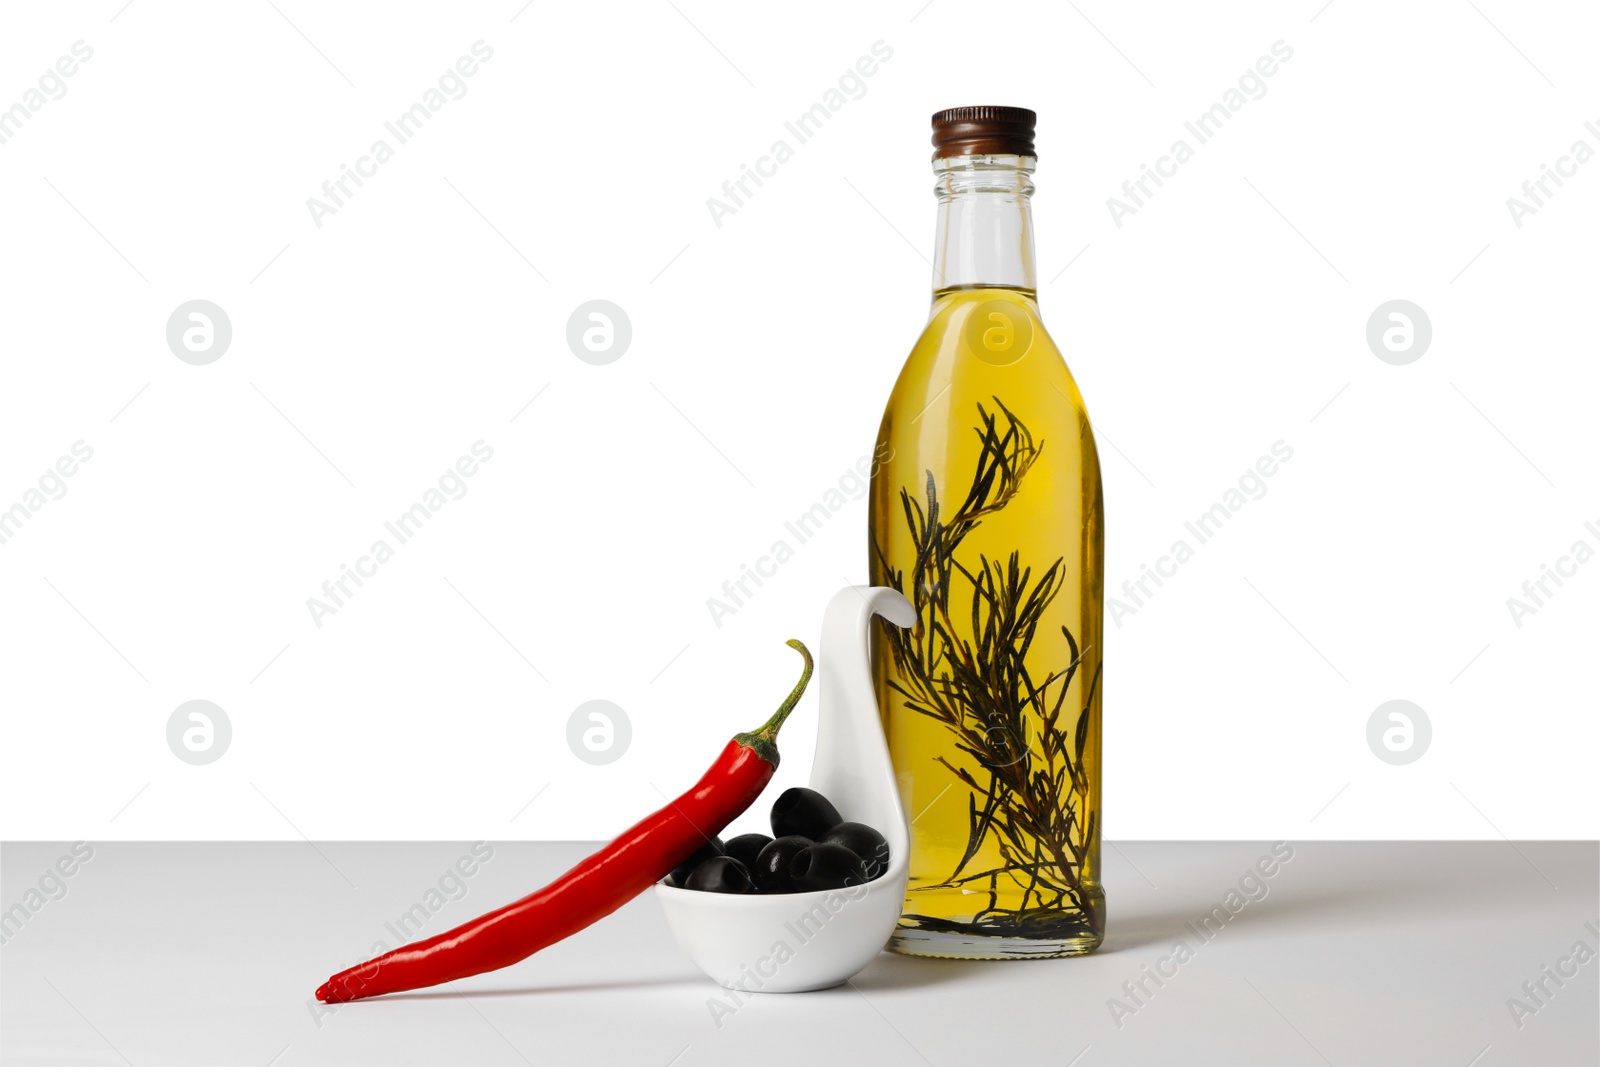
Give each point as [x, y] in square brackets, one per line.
[593, 889]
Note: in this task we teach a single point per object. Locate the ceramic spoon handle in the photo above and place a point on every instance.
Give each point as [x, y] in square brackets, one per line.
[852, 766]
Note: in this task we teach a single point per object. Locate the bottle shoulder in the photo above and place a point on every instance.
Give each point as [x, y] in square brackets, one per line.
[985, 355]
[986, 339]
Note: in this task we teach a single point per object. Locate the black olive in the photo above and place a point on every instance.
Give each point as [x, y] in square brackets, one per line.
[772, 866]
[865, 842]
[721, 874]
[680, 873]
[746, 847]
[826, 866]
[803, 812]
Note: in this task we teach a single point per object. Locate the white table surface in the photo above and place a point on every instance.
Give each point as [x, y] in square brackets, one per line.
[1359, 954]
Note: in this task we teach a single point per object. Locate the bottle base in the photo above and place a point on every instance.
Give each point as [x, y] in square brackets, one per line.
[997, 933]
[1036, 935]
[941, 944]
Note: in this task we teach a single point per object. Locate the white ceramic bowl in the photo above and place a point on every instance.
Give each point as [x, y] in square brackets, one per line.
[793, 942]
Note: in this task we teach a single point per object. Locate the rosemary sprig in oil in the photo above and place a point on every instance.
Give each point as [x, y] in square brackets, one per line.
[1030, 795]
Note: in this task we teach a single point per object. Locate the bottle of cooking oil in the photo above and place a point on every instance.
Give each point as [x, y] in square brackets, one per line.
[986, 512]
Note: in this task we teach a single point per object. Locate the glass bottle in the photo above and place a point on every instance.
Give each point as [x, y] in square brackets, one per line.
[986, 512]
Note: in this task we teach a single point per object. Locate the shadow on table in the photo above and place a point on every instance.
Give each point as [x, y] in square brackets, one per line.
[1277, 910]
[887, 971]
[891, 971]
[534, 991]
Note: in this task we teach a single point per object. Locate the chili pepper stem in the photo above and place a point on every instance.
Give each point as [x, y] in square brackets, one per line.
[763, 739]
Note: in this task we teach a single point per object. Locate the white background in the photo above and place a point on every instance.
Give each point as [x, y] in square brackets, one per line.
[368, 354]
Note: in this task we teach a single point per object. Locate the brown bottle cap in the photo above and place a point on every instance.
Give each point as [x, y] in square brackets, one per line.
[983, 131]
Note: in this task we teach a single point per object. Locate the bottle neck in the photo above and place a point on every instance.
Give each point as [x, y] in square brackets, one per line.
[985, 235]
